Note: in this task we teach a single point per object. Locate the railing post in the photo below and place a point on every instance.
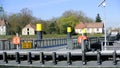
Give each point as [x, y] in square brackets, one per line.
[3, 44]
[5, 57]
[35, 44]
[54, 57]
[9, 46]
[89, 44]
[99, 57]
[83, 46]
[114, 58]
[41, 57]
[29, 57]
[17, 57]
[69, 58]
[83, 58]
[102, 47]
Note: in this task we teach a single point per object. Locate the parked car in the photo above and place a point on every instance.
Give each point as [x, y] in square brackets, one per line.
[113, 36]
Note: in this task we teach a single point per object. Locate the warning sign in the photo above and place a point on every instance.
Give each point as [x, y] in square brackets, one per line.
[16, 40]
[26, 45]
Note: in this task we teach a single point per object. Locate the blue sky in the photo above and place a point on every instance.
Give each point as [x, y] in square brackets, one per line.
[47, 9]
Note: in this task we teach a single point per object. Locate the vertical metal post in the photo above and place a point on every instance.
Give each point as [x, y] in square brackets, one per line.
[9, 46]
[68, 32]
[69, 40]
[98, 57]
[105, 27]
[29, 57]
[83, 58]
[17, 57]
[102, 47]
[35, 44]
[82, 45]
[89, 44]
[41, 57]
[3, 44]
[5, 57]
[39, 31]
[17, 44]
[114, 58]
[103, 3]
[69, 58]
[39, 35]
[54, 57]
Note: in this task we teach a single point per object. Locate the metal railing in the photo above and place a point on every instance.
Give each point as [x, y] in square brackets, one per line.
[111, 45]
[45, 43]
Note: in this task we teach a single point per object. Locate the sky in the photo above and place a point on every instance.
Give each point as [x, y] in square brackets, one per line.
[47, 9]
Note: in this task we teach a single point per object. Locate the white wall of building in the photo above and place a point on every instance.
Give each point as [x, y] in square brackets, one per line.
[2, 30]
[28, 31]
[90, 30]
[79, 31]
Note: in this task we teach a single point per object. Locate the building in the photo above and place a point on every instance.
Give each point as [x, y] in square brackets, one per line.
[2, 27]
[2, 22]
[28, 30]
[90, 27]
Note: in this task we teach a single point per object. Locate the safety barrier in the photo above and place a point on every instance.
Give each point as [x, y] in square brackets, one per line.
[32, 44]
[111, 45]
[69, 57]
[44, 43]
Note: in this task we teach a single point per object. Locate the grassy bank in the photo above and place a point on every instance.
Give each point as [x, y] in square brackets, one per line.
[47, 36]
[34, 36]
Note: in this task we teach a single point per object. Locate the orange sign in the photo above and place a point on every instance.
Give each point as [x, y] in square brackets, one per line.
[80, 38]
[16, 40]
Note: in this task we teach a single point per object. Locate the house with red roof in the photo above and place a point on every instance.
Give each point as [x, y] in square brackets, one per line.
[29, 29]
[97, 27]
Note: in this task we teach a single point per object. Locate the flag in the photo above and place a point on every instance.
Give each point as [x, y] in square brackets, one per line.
[103, 3]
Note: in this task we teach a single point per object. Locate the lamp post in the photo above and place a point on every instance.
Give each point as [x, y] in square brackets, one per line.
[103, 3]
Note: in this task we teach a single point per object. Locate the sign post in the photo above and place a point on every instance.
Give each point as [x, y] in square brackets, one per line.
[16, 40]
[69, 30]
[39, 31]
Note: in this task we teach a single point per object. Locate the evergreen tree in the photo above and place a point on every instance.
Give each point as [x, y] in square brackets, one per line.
[98, 18]
[1, 12]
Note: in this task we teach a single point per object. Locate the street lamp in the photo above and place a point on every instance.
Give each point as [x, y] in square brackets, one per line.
[103, 3]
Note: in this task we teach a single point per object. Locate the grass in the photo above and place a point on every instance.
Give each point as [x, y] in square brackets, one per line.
[34, 36]
[47, 36]
[95, 35]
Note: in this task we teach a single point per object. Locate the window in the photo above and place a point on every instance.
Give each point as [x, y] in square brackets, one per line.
[80, 30]
[97, 29]
[27, 31]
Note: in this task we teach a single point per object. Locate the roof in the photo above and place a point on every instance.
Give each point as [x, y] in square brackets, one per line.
[2, 22]
[82, 25]
[30, 26]
[115, 30]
